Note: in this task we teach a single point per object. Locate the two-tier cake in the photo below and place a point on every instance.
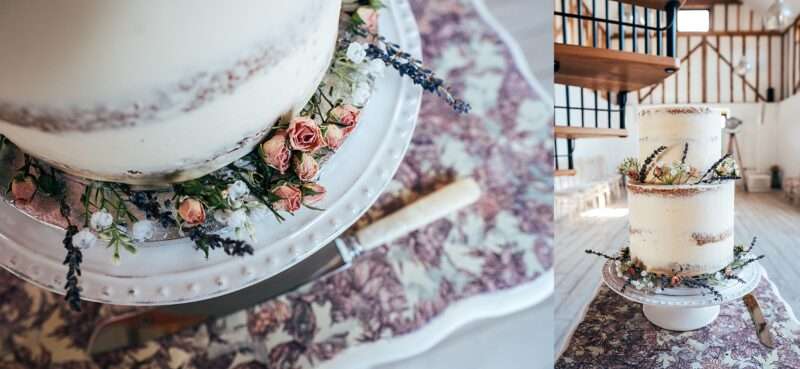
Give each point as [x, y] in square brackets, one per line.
[680, 224]
[136, 93]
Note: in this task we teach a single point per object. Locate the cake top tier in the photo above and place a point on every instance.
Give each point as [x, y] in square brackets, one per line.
[85, 53]
[675, 126]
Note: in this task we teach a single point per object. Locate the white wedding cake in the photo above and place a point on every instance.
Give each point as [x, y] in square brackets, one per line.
[684, 229]
[144, 93]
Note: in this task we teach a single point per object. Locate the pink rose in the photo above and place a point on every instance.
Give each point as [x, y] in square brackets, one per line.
[305, 135]
[192, 212]
[23, 189]
[346, 115]
[275, 152]
[314, 193]
[289, 198]
[334, 136]
[305, 167]
[370, 18]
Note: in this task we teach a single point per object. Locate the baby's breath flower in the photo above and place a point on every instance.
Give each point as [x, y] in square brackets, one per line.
[101, 220]
[142, 230]
[356, 52]
[84, 239]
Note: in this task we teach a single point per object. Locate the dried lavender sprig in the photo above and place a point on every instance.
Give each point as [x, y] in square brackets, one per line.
[644, 169]
[736, 278]
[719, 178]
[713, 168]
[208, 241]
[603, 255]
[685, 151]
[749, 261]
[73, 261]
[407, 65]
[752, 245]
[691, 282]
[147, 203]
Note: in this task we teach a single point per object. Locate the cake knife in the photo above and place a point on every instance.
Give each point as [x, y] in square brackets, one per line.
[762, 329]
[138, 327]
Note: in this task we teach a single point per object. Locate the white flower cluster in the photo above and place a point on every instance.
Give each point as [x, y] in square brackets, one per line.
[639, 284]
[84, 239]
[236, 194]
[368, 72]
[142, 230]
[642, 284]
[101, 221]
[237, 218]
[727, 167]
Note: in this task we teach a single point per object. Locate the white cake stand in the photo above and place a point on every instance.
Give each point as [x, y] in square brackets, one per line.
[172, 272]
[684, 309]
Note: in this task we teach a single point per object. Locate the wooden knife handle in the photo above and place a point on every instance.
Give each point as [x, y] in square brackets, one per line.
[446, 200]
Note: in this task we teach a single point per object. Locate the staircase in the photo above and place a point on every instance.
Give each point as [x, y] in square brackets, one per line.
[603, 50]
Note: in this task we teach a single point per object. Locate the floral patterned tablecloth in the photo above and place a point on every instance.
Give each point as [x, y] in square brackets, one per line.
[615, 334]
[503, 241]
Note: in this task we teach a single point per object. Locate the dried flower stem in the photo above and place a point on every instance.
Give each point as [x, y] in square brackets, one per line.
[712, 169]
[643, 171]
[685, 151]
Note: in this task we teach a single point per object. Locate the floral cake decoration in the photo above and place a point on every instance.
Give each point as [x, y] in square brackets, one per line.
[279, 176]
[635, 274]
[655, 172]
[678, 172]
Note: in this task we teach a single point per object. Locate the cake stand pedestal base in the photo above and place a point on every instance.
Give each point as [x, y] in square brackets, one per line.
[680, 319]
[684, 308]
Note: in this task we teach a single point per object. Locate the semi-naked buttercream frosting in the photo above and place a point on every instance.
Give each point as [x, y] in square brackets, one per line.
[149, 93]
[686, 228]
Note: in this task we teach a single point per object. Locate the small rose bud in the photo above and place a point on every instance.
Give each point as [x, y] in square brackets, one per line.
[305, 167]
[192, 212]
[305, 135]
[346, 115]
[289, 198]
[313, 193]
[276, 153]
[370, 18]
[334, 136]
[657, 171]
[23, 189]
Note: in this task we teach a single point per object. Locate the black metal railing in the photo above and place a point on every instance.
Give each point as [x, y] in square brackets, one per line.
[613, 25]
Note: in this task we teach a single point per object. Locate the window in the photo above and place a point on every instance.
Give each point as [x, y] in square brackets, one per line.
[693, 20]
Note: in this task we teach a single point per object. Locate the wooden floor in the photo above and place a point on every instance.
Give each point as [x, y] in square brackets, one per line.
[766, 215]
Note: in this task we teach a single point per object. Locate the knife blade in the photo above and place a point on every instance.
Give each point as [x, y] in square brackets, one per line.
[762, 328]
[141, 326]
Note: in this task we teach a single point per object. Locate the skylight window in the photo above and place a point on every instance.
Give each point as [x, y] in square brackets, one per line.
[693, 20]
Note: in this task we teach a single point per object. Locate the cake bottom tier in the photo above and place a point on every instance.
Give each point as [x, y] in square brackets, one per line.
[682, 229]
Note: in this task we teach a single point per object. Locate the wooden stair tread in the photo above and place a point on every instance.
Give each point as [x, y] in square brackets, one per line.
[588, 132]
[652, 4]
[564, 172]
[610, 70]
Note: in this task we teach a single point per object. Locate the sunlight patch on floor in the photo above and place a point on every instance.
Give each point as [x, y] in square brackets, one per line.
[605, 213]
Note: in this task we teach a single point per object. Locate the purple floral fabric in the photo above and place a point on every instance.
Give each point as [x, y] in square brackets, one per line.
[615, 334]
[503, 241]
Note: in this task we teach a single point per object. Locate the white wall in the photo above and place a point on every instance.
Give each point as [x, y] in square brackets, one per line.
[769, 136]
[788, 136]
